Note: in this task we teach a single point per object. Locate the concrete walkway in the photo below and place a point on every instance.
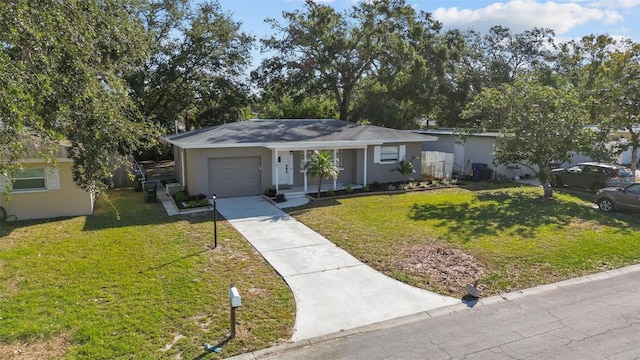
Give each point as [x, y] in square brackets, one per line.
[332, 289]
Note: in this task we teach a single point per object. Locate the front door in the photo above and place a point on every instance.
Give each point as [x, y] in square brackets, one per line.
[285, 167]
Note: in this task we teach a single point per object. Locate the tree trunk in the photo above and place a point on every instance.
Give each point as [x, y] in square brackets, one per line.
[634, 160]
[544, 174]
[635, 143]
[548, 190]
[343, 109]
[344, 101]
[319, 186]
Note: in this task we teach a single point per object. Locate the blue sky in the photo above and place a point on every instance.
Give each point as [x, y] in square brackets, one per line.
[570, 19]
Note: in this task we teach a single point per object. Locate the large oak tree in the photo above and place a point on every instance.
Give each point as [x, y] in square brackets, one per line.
[196, 70]
[61, 67]
[488, 60]
[378, 53]
[319, 51]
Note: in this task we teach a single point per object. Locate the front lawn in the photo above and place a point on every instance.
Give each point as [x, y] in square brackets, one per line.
[148, 286]
[504, 238]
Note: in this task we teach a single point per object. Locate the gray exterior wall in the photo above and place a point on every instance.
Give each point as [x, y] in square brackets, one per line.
[477, 149]
[193, 173]
[353, 167]
[346, 176]
[383, 172]
[197, 171]
[178, 164]
[444, 144]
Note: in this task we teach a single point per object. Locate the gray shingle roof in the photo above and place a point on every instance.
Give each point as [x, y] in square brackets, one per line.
[273, 133]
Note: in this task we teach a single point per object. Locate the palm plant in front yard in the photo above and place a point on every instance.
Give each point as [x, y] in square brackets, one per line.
[321, 165]
[405, 167]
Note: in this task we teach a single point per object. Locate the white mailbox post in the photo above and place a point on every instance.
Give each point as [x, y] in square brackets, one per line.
[236, 301]
[215, 222]
[234, 296]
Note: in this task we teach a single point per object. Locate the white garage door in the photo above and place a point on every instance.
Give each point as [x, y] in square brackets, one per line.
[235, 176]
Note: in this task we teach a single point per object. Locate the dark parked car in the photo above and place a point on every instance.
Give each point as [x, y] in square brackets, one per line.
[620, 198]
[591, 175]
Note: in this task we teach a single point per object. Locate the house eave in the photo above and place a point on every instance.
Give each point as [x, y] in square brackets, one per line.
[37, 161]
[294, 145]
[453, 132]
[321, 145]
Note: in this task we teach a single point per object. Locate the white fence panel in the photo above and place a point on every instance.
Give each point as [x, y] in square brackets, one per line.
[436, 164]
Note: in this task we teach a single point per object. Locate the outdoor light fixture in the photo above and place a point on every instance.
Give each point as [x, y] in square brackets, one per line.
[215, 223]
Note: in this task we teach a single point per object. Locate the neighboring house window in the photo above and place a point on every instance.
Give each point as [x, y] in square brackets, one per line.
[388, 154]
[45, 178]
[29, 179]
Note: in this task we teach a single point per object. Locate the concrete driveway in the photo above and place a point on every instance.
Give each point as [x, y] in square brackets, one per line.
[332, 289]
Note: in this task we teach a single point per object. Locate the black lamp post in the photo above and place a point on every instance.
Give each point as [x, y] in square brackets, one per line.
[215, 223]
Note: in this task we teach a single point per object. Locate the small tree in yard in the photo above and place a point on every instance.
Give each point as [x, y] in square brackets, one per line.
[321, 165]
[539, 124]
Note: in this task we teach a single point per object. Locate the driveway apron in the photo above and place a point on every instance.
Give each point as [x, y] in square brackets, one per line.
[332, 289]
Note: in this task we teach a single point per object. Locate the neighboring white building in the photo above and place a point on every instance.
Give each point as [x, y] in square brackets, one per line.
[477, 149]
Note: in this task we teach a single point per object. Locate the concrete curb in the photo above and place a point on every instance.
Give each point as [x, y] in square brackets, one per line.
[446, 310]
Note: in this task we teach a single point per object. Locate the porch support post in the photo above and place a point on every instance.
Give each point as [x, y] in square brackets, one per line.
[305, 170]
[335, 160]
[274, 169]
[182, 169]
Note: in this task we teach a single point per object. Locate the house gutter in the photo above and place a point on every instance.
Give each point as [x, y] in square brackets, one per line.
[284, 145]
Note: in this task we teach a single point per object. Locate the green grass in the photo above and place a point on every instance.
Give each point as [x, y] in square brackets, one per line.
[519, 238]
[150, 286]
[147, 286]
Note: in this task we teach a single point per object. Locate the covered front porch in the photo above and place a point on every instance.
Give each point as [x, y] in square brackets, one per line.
[290, 176]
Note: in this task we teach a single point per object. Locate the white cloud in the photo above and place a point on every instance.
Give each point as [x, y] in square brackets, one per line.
[521, 15]
[612, 17]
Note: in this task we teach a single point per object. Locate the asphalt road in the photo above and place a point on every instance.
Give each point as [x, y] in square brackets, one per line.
[596, 317]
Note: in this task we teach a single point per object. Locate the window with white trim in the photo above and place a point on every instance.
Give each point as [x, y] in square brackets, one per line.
[337, 155]
[29, 179]
[304, 158]
[388, 154]
[32, 179]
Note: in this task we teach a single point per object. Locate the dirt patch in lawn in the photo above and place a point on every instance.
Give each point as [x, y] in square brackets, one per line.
[54, 348]
[436, 266]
